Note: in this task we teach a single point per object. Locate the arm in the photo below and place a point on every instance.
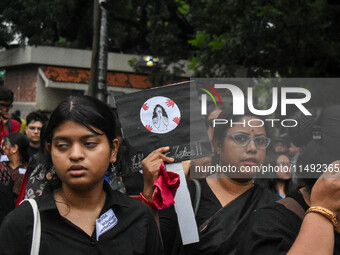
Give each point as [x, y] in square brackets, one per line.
[277, 230]
[316, 235]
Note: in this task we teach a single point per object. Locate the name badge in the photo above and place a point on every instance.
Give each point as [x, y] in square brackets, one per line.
[105, 222]
[22, 170]
[4, 158]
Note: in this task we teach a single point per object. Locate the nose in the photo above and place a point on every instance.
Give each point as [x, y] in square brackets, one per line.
[251, 147]
[76, 153]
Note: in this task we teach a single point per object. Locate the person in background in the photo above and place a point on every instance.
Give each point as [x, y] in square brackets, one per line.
[280, 180]
[7, 125]
[15, 147]
[34, 121]
[281, 145]
[16, 115]
[6, 192]
[294, 152]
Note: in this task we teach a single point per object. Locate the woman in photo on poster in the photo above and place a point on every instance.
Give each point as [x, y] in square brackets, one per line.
[160, 118]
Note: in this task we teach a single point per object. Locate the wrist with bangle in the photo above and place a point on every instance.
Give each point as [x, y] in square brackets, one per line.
[325, 212]
[147, 201]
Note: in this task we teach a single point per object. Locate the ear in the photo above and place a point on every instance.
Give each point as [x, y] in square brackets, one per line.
[15, 148]
[48, 147]
[217, 147]
[113, 156]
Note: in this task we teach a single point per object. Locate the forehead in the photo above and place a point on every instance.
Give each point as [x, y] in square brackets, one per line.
[282, 158]
[35, 124]
[214, 114]
[73, 129]
[243, 126]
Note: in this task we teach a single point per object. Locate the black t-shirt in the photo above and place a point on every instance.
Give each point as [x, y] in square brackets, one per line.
[136, 231]
[31, 151]
[273, 229]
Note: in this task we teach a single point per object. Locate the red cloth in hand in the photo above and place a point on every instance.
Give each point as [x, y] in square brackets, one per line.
[165, 188]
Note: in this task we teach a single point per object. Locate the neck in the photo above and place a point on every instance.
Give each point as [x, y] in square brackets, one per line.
[35, 145]
[14, 162]
[305, 195]
[87, 199]
[235, 186]
[280, 187]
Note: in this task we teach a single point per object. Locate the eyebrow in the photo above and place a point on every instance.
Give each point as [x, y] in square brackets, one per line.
[83, 137]
[248, 134]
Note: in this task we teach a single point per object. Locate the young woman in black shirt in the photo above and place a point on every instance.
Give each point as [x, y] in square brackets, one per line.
[81, 214]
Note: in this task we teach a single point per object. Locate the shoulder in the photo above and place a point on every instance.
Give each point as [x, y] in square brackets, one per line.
[274, 218]
[127, 203]
[17, 220]
[268, 230]
[15, 125]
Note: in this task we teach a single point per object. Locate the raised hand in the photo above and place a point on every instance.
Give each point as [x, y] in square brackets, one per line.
[151, 166]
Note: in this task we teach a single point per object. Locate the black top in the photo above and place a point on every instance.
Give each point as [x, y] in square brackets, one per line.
[135, 233]
[31, 151]
[273, 229]
[218, 236]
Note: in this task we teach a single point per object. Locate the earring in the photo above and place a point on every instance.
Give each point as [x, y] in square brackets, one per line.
[52, 171]
[112, 168]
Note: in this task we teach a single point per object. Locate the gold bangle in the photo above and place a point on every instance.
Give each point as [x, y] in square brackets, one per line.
[325, 212]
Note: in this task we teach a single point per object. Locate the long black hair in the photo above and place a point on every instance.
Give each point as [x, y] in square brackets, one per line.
[154, 114]
[22, 142]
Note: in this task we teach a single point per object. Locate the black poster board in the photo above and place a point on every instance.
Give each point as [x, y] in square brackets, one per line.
[165, 116]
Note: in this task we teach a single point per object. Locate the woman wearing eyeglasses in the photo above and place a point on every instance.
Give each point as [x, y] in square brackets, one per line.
[227, 197]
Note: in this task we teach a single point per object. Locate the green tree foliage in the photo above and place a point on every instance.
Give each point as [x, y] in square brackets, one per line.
[287, 38]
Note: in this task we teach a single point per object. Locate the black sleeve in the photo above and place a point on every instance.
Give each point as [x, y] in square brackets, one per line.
[169, 229]
[172, 240]
[268, 231]
[16, 231]
[154, 241]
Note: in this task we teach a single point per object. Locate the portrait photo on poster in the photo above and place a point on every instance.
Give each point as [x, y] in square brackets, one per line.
[164, 116]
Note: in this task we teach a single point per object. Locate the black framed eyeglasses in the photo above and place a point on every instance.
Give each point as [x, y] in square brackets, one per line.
[242, 139]
[6, 106]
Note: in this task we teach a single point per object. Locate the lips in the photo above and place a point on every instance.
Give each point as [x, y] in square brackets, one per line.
[77, 170]
[250, 162]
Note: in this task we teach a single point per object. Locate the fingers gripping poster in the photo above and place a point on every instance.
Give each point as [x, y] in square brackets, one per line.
[165, 116]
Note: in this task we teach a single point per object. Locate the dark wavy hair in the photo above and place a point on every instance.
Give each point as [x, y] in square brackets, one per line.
[154, 114]
[36, 116]
[6, 94]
